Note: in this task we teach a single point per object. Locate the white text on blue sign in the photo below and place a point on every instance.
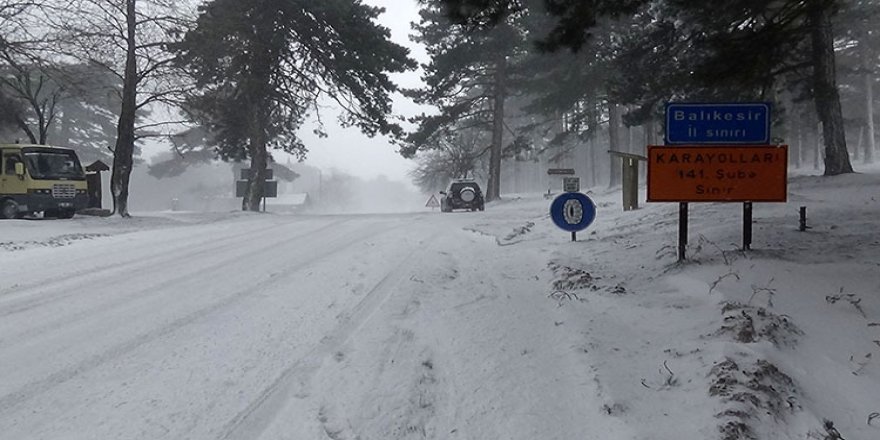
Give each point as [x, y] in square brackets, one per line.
[717, 123]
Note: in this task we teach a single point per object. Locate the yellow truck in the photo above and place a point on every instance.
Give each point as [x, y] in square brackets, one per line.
[40, 178]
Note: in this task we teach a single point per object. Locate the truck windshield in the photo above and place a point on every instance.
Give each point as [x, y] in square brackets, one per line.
[53, 165]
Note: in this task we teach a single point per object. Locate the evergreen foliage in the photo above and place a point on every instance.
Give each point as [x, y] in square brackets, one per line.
[684, 50]
[467, 80]
[262, 65]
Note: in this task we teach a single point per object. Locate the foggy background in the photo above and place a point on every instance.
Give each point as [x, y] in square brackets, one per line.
[345, 172]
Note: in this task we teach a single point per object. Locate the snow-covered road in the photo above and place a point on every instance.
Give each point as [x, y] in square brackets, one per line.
[185, 332]
[268, 325]
[485, 325]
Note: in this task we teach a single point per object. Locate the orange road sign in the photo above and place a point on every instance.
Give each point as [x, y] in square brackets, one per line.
[718, 173]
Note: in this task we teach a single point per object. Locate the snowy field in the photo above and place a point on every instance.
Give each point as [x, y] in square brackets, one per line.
[488, 325]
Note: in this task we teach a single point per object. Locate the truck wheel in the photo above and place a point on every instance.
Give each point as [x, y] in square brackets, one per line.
[8, 209]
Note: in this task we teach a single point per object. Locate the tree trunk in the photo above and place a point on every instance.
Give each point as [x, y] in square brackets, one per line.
[629, 139]
[42, 126]
[124, 150]
[858, 148]
[827, 98]
[650, 134]
[869, 97]
[64, 130]
[798, 155]
[22, 124]
[493, 192]
[259, 161]
[594, 158]
[258, 138]
[517, 175]
[614, 143]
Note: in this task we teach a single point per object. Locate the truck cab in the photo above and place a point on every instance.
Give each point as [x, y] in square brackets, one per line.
[40, 178]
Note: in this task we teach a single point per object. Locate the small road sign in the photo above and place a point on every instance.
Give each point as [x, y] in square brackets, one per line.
[718, 123]
[270, 188]
[573, 211]
[432, 202]
[560, 171]
[246, 174]
[717, 174]
[571, 184]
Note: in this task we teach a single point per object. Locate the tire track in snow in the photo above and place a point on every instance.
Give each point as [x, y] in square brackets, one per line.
[323, 250]
[127, 258]
[82, 278]
[144, 292]
[250, 423]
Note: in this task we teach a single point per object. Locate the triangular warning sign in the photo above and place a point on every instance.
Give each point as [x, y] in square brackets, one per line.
[432, 202]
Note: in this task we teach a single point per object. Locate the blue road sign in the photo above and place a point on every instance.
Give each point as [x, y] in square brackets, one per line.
[719, 123]
[573, 211]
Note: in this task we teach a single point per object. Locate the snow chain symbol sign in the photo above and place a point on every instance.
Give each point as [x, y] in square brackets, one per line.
[573, 212]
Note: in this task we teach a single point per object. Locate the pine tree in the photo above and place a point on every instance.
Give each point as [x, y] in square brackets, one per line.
[262, 65]
[467, 80]
[859, 55]
[744, 51]
[735, 51]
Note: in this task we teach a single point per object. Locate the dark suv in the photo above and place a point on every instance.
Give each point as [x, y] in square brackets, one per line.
[462, 194]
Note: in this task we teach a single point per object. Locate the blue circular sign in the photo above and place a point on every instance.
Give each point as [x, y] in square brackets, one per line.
[573, 211]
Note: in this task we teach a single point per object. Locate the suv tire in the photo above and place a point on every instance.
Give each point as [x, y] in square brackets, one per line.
[467, 194]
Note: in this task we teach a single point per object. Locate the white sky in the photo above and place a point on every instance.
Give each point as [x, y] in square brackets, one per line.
[347, 149]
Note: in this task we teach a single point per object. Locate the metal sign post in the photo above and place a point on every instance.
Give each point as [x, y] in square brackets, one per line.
[747, 226]
[682, 231]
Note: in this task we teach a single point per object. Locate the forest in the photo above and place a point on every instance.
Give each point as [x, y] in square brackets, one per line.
[510, 89]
